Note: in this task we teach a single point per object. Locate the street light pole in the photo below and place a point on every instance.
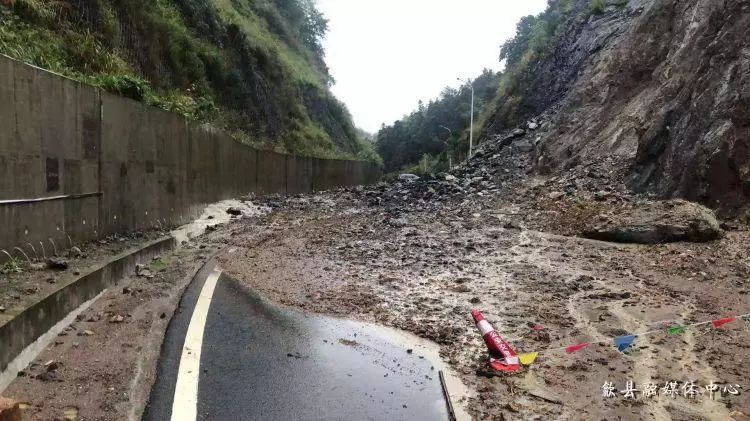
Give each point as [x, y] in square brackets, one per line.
[471, 121]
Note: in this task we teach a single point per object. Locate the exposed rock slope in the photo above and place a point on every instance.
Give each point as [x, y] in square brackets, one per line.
[663, 86]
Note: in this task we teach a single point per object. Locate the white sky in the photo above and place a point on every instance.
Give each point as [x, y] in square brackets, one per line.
[387, 54]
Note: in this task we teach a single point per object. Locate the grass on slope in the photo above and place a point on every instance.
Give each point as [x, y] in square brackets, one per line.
[33, 31]
[257, 30]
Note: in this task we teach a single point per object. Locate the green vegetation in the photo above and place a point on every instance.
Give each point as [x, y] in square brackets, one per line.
[532, 43]
[416, 143]
[596, 7]
[252, 67]
[431, 136]
[13, 266]
[159, 264]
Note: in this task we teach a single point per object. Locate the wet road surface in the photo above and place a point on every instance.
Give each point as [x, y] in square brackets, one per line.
[260, 361]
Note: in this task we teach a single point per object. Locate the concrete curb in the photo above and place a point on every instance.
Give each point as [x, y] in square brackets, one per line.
[25, 327]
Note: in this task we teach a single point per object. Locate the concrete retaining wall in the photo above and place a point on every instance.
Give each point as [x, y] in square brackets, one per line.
[77, 163]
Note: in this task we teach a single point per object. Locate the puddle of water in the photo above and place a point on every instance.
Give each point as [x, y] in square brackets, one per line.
[459, 393]
[215, 214]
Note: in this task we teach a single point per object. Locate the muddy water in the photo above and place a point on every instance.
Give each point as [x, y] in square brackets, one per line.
[215, 214]
[458, 392]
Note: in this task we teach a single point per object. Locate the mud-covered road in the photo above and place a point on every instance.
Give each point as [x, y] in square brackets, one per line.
[423, 268]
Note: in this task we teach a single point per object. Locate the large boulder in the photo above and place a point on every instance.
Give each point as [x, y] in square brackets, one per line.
[657, 222]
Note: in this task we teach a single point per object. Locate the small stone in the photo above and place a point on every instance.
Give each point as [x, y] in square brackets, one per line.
[234, 211]
[518, 132]
[726, 226]
[57, 263]
[75, 252]
[48, 376]
[2, 309]
[51, 365]
[87, 333]
[398, 222]
[601, 196]
[117, 319]
[37, 266]
[524, 147]
[143, 272]
[409, 178]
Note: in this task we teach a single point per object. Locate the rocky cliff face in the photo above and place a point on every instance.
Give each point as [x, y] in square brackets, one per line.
[663, 86]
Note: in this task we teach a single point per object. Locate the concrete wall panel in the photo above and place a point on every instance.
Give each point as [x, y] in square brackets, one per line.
[57, 117]
[299, 172]
[7, 108]
[271, 172]
[27, 99]
[81, 220]
[96, 164]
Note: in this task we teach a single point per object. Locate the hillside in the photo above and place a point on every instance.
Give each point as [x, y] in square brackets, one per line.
[662, 88]
[435, 135]
[255, 68]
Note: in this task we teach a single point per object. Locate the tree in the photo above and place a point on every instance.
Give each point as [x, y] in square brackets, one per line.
[406, 142]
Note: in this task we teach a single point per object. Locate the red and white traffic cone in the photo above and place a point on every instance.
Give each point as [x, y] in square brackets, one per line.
[502, 356]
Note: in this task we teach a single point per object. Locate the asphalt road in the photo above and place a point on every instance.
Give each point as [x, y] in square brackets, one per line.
[259, 361]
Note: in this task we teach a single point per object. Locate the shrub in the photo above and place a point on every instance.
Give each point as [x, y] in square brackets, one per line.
[129, 86]
[13, 266]
[35, 11]
[596, 7]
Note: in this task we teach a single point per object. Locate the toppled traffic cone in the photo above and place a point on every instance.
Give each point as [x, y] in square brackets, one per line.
[10, 410]
[502, 356]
